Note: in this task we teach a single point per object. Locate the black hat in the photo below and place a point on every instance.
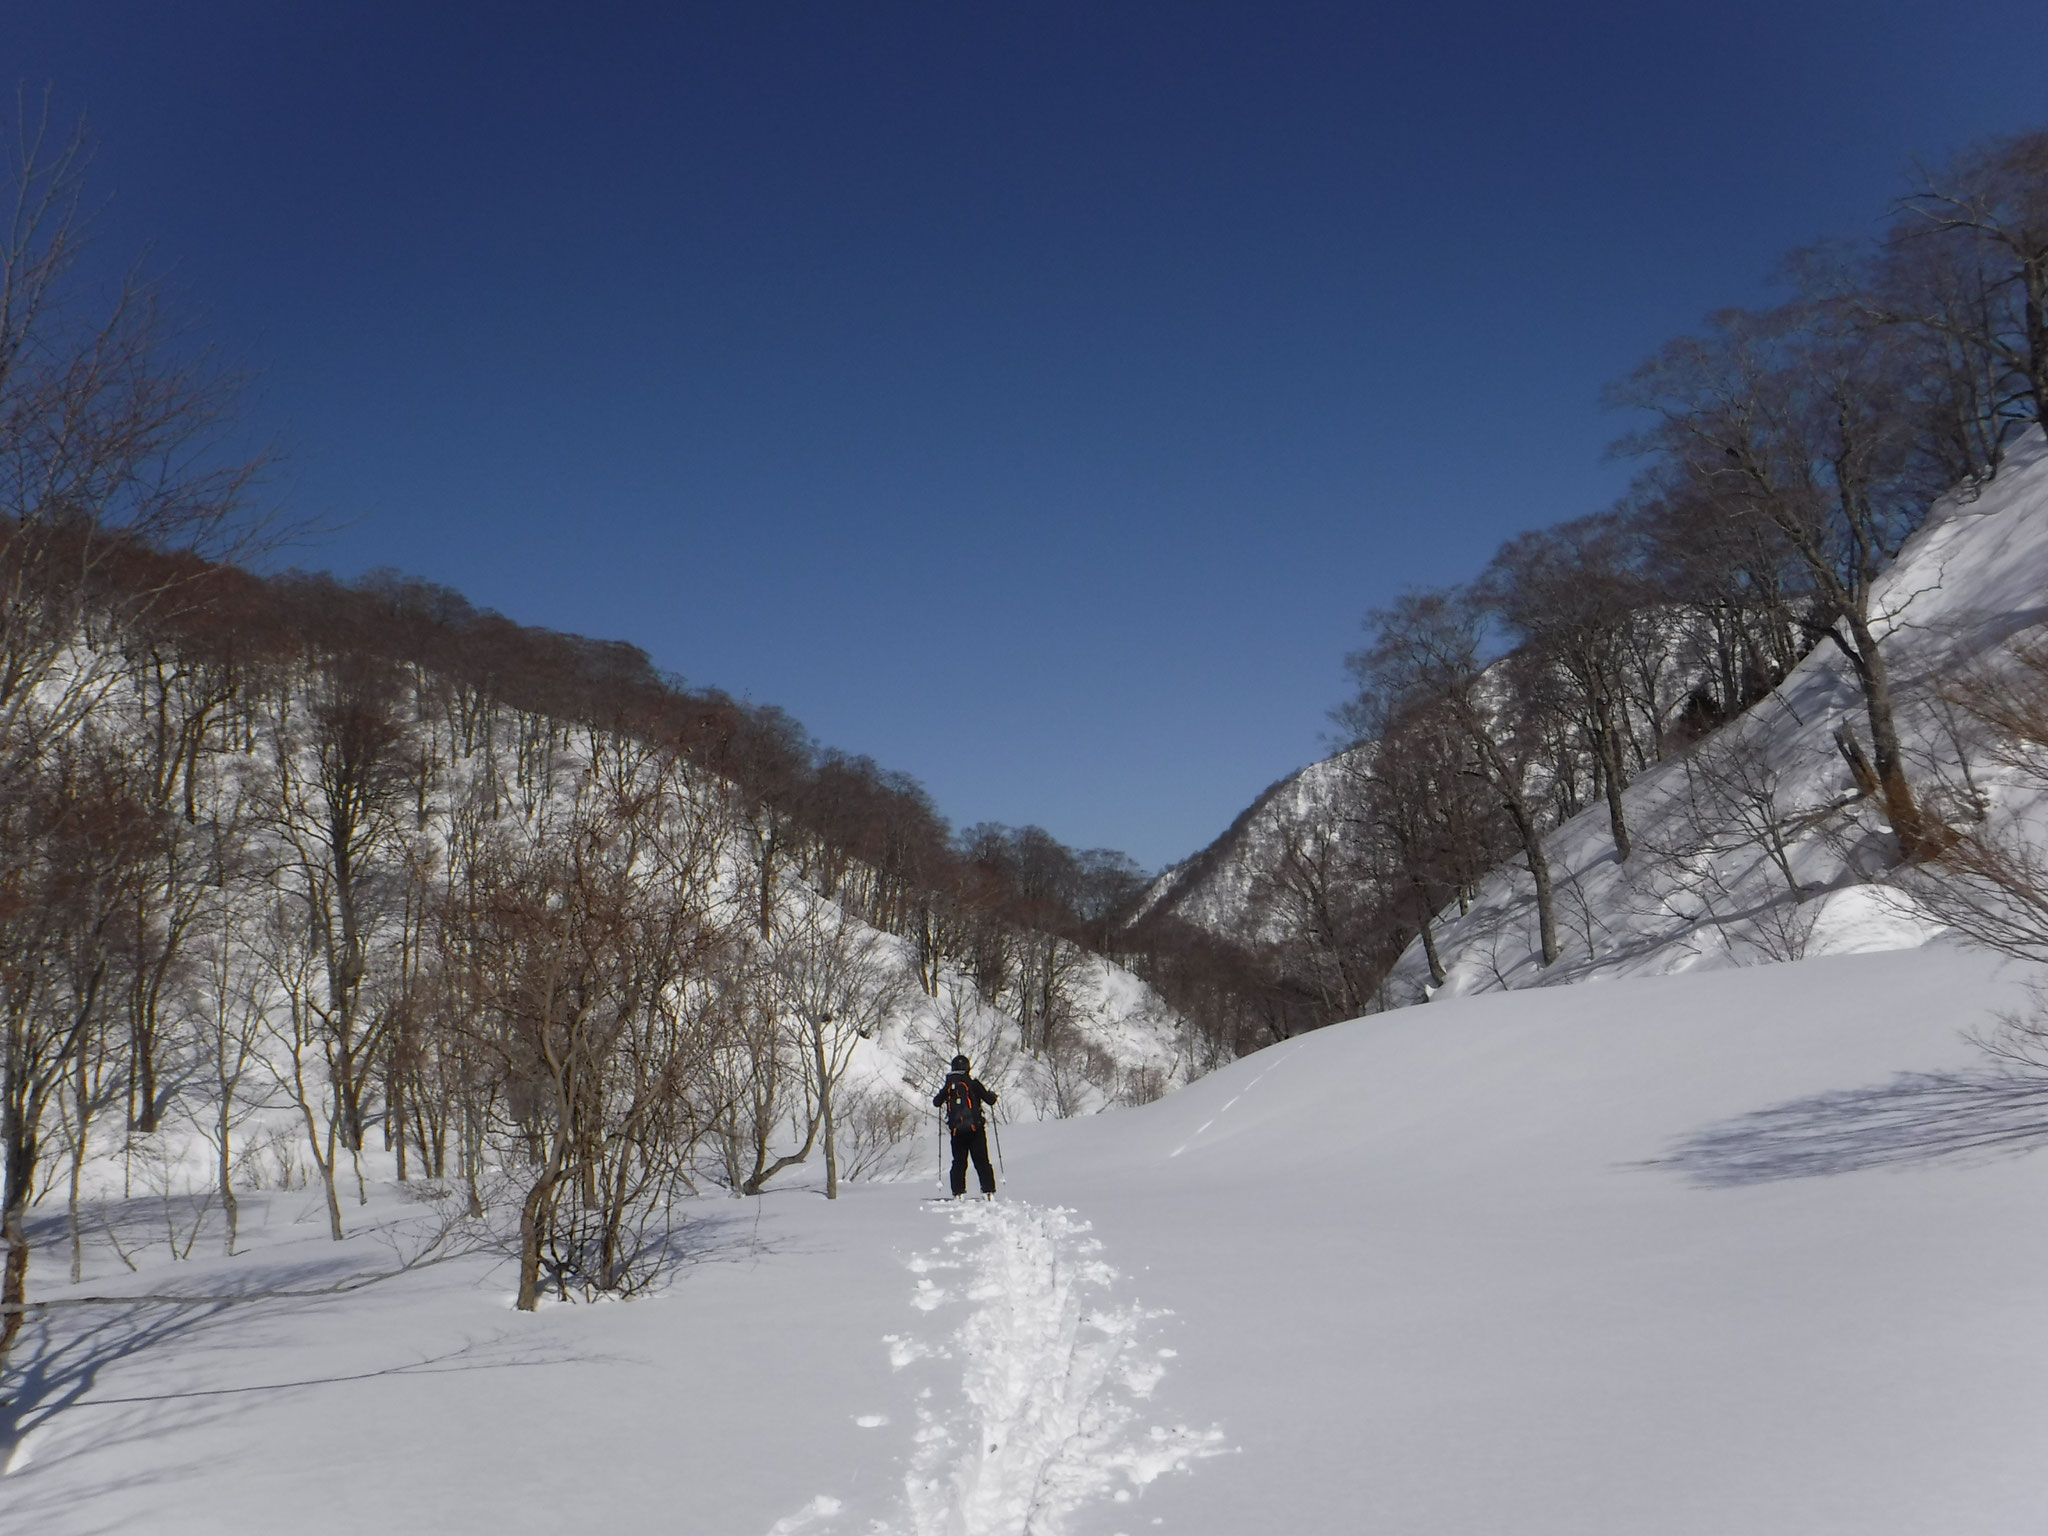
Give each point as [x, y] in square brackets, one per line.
[959, 1063]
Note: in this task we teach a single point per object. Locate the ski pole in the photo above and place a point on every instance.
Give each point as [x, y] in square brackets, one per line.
[997, 1126]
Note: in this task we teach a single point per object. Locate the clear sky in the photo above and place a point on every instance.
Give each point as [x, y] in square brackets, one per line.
[1032, 396]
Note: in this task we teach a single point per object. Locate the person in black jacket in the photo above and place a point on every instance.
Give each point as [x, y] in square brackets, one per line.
[961, 1098]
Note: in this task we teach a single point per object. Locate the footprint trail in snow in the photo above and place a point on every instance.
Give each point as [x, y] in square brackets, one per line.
[1053, 1372]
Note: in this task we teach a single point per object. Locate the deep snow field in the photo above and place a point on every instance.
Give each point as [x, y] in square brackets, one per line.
[1752, 1251]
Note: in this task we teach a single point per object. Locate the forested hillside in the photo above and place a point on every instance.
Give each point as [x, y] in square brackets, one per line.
[298, 871]
[1684, 723]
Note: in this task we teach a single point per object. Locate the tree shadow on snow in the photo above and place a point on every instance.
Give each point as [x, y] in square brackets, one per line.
[651, 1258]
[55, 1367]
[1917, 1117]
[61, 1360]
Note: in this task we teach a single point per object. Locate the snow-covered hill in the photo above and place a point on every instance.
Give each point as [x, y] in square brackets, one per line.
[1705, 888]
[516, 781]
[1216, 889]
[1751, 1251]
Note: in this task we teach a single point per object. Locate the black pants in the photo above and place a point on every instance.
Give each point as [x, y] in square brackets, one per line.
[974, 1144]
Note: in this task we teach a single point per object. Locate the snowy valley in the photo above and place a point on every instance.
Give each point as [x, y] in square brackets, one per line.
[1746, 1248]
[462, 1079]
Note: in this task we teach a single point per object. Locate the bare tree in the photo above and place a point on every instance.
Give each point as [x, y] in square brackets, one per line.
[594, 960]
[1047, 968]
[296, 1036]
[1735, 803]
[759, 1080]
[93, 1083]
[1319, 893]
[1409, 786]
[106, 439]
[106, 434]
[960, 1022]
[77, 844]
[1796, 422]
[764, 761]
[335, 797]
[1571, 596]
[1966, 263]
[838, 984]
[1727, 592]
[880, 1129]
[228, 1002]
[1991, 882]
[1425, 653]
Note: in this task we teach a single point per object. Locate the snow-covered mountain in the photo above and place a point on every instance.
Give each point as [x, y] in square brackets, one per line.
[1215, 889]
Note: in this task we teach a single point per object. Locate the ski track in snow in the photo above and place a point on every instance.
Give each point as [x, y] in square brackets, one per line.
[1053, 1371]
[1278, 1061]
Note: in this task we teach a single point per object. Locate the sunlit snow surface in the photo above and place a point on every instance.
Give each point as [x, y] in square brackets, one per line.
[1754, 1251]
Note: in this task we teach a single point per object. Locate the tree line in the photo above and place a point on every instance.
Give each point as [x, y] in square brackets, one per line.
[1786, 455]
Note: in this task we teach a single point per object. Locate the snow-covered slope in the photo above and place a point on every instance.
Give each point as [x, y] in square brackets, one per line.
[1703, 889]
[1216, 888]
[1754, 1251]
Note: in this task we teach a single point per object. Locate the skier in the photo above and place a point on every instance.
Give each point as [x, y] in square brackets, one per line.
[962, 1098]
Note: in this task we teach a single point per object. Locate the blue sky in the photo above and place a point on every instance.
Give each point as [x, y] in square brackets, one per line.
[1033, 397]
